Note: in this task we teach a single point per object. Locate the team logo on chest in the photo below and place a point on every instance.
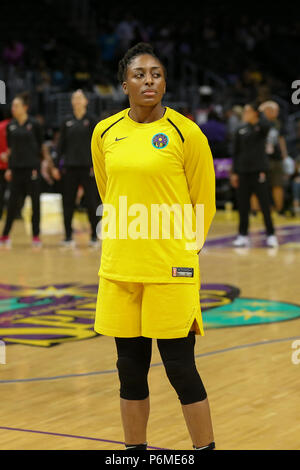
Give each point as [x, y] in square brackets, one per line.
[160, 141]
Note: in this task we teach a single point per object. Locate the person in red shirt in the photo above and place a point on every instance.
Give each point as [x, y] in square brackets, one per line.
[3, 160]
[26, 149]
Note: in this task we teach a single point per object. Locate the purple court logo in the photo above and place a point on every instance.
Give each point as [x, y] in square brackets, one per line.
[53, 314]
[49, 315]
[160, 141]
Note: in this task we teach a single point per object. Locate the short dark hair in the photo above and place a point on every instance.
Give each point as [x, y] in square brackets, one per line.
[254, 105]
[24, 97]
[139, 49]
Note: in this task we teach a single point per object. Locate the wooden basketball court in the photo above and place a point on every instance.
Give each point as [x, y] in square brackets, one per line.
[65, 395]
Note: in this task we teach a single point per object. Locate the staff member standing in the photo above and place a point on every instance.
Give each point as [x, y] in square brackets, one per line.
[249, 173]
[149, 286]
[25, 148]
[74, 147]
[277, 151]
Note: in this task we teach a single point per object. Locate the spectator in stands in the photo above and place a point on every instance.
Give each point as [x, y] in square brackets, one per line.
[165, 43]
[13, 53]
[82, 78]
[125, 32]
[233, 117]
[209, 33]
[215, 131]
[108, 42]
[137, 35]
[50, 50]
[240, 92]
[60, 78]
[43, 82]
[206, 104]
[263, 93]
[104, 88]
[186, 111]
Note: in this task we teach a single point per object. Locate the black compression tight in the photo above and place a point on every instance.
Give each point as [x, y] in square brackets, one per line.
[134, 357]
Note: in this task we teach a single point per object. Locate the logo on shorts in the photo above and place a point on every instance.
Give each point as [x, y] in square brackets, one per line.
[160, 141]
[182, 272]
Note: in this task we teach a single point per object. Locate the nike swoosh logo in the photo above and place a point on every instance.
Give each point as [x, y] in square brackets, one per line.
[121, 138]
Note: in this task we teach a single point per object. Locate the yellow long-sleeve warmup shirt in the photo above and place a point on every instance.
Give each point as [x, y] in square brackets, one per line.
[150, 178]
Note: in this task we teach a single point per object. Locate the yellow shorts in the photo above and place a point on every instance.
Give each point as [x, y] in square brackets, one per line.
[160, 311]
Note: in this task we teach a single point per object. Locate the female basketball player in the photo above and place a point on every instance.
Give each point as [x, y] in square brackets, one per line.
[25, 149]
[149, 155]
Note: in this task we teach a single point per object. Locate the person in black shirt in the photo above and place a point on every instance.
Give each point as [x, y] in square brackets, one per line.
[249, 173]
[25, 148]
[74, 148]
[277, 151]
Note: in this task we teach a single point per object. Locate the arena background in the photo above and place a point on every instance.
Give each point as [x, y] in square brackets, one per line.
[219, 56]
